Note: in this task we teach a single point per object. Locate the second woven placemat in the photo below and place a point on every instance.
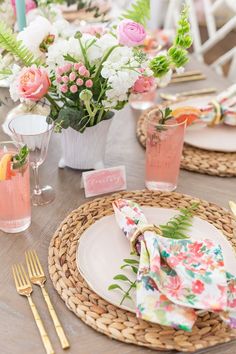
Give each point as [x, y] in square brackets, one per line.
[110, 320]
[213, 163]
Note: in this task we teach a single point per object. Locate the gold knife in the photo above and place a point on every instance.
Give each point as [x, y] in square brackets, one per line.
[187, 73]
[176, 80]
[170, 97]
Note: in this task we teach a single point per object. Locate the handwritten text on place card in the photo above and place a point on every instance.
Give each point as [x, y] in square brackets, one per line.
[104, 181]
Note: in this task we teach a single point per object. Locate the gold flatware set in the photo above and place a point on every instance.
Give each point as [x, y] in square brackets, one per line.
[23, 282]
[187, 76]
[175, 97]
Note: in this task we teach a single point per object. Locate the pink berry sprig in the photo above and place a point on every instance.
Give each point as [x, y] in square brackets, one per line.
[72, 77]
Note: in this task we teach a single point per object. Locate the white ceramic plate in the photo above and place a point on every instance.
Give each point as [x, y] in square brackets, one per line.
[218, 138]
[102, 248]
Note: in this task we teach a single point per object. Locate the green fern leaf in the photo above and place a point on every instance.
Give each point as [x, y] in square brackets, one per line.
[138, 12]
[9, 43]
[178, 226]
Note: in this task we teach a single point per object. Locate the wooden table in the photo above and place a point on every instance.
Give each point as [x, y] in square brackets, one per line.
[18, 333]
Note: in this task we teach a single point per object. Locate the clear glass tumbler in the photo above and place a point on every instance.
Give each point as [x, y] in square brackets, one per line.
[15, 208]
[164, 146]
[144, 100]
[35, 132]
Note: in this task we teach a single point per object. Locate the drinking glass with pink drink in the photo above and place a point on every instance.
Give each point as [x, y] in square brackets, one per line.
[15, 209]
[164, 146]
[144, 100]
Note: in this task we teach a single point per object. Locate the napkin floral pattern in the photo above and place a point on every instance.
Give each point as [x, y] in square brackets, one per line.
[176, 277]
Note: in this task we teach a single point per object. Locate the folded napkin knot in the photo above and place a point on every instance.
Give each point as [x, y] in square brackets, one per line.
[137, 236]
[218, 113]
[176, 276]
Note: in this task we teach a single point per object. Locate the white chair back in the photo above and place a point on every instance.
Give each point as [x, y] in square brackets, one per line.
[215, 35]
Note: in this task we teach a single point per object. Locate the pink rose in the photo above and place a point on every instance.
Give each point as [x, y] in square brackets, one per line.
[29, 5]
[130, 33]
[33, 83]
[143, 84]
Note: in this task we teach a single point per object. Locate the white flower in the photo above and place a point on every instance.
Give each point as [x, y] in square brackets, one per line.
[34, 34]
[100, 45]
[55, 54]
[122, 70]
[164, 80]
[57, 51]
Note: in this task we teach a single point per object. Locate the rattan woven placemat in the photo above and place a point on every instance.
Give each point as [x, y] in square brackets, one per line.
[109, 319]
[214, 163]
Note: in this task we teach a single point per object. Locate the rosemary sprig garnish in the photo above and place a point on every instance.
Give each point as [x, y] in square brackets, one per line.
[165, 115]
[19, 159]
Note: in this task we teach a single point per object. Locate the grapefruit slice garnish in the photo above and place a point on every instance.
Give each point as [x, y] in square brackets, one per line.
[188, 113]
[5, 164]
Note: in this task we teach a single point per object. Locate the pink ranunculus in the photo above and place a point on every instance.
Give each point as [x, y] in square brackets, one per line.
[29, 5]
[33, 83]
[143, 84]
[130, 33]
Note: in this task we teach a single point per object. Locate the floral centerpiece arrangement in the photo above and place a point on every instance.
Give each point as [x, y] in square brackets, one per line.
[86, 78]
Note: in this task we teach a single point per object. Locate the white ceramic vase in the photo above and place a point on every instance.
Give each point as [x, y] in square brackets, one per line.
[84, 151]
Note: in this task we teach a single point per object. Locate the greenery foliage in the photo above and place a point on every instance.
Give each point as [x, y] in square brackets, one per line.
[178, 226]
[177, 55]
[165, 115]
[9, 43]
[20, 159]
[132, 264]
[138, 12]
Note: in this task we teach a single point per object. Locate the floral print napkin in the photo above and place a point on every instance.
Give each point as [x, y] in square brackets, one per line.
[177, 277]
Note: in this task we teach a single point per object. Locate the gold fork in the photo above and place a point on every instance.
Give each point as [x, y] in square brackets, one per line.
[24, 288]
[38, 277]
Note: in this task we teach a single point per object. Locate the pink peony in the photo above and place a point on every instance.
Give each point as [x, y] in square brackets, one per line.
[32, 83]
[130, 33]
[143, 84]
[29, 5]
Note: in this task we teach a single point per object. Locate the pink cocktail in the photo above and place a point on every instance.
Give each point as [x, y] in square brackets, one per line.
[163, 152]
[15, 209]
[144, 100]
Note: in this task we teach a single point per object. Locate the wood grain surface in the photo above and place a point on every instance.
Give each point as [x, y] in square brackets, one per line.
[18, 333]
